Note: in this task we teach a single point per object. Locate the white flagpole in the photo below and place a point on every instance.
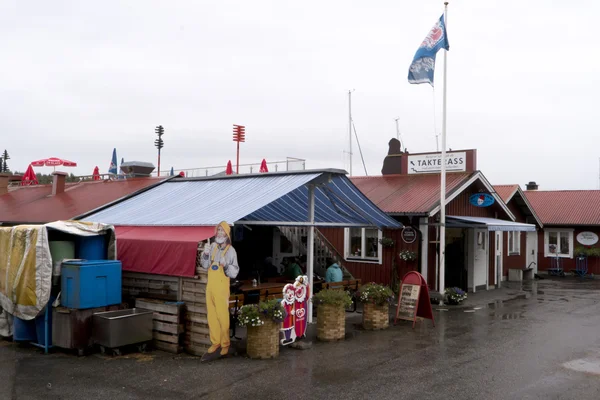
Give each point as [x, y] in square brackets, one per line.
[443, 172]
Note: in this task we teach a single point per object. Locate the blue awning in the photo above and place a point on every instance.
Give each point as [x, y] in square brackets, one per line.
[268, 199]
[491, 224]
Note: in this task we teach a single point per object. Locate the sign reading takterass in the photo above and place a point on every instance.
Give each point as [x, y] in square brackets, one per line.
[432, 163]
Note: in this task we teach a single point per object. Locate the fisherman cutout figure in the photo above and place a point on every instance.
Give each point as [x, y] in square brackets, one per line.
[220, 259]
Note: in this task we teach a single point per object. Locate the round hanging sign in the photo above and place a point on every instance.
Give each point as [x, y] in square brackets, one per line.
[409, 234]
[481, 199]
[587, 238]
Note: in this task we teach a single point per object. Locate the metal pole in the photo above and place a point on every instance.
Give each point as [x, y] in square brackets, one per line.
[159, 161]
[443, 172]
[350, 129]
[397, 130]
[310, 244]
[237, 165]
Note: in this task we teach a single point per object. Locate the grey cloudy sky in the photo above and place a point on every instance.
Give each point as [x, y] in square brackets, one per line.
[78, 78]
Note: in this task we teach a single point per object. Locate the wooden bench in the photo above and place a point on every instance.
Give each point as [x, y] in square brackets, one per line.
[351, 286]
[520, 274]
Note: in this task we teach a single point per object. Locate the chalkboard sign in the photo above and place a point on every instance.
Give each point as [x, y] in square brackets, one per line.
[409, 300]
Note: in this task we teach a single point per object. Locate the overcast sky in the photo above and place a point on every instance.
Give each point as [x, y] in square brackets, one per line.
[78, 78]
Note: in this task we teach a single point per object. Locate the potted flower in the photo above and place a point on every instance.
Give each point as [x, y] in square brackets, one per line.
[263, 321]
[455, 295]
[331, 317]
[407, 255]
[376, 310]
[386, 242]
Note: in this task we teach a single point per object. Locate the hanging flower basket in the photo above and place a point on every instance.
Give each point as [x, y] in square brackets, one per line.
[331, 314]
[376, 310]
[386, 242]
[263, 321]
[407, 255]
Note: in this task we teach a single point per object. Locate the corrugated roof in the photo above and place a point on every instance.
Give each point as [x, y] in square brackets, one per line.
[408, 194]
[506, 192]
[35, 204]
[566, 207]
[261, 198]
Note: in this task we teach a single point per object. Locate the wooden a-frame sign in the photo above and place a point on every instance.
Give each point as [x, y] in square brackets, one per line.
[413, 299]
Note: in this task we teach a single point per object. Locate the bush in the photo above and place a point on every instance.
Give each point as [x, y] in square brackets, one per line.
[257, 314]
[373, 293]
[333, 297]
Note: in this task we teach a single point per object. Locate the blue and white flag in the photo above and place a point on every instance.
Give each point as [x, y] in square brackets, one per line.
[113, 163]
[423, 65]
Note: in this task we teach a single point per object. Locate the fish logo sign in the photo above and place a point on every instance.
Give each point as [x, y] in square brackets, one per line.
[481, 200]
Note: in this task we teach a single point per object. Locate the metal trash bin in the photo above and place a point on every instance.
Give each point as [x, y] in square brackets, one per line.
[114, 329]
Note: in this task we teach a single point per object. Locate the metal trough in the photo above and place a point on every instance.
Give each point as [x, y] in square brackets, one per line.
[115, 329]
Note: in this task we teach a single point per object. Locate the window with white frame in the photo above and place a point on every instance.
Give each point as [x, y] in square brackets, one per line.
[514, 243]
[558, 243]
[363, 244]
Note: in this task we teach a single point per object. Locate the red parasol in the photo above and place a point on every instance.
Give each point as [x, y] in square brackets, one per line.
[263, 166]
[96, 174]
[29, 178]
[53, 162]
[229, 169]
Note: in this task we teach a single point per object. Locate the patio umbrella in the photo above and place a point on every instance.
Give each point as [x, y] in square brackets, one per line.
[229, 169]
[96, 174]
[172, 172]
[263, 166]
[113, 163]
[29, 178]
[53, 162]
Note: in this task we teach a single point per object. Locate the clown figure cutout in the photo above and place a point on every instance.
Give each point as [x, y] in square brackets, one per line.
[288, 303]
[220, 259]
[301, 307]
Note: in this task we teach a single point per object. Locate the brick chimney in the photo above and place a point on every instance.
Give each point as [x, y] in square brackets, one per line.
[58, 182]
[4, 178]
[531, 186]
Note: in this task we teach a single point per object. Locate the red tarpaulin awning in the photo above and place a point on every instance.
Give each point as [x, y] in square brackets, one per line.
[163, 250]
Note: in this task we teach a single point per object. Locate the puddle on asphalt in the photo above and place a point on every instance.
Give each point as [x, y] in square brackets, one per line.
[590, 365]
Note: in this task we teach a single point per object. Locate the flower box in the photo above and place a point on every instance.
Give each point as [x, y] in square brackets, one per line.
[263, 340]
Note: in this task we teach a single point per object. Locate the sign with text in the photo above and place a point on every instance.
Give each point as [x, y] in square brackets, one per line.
[409, 298]
[587, 238]
[409, 235]
[413, 299]
[432, 163]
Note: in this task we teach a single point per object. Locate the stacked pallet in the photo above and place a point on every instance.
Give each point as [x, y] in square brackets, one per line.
[197, 339]
[149, 285]
[167, 323]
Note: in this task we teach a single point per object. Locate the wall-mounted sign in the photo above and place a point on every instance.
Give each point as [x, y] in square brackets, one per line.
[587, 238]
[432, 163]
[409, 234]
[481, 199]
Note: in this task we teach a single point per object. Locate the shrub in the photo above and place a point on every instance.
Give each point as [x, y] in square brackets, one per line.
[333, 297]
[373, 293]
[257, 314]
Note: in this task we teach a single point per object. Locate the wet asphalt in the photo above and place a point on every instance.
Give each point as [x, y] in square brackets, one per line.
[542, 345]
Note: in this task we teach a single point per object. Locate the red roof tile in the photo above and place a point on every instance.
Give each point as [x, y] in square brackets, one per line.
[34, 204]
[407, 194]
[566, 207]
[506, 191]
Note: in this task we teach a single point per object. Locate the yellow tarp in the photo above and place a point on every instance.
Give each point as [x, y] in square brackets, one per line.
[26, 263]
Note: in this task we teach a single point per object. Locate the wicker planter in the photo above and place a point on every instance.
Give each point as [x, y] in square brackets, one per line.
[376, 317]
[331, 323]
[263, 341]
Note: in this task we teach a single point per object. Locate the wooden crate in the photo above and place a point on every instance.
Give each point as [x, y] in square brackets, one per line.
[193, 293]
[150, 286]
[167, 323]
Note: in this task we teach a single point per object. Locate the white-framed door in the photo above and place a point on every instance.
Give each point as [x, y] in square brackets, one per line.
[498, 257]
[480, 258]
[531, 248]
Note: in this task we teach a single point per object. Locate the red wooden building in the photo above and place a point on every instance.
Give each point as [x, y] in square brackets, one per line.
[571, 221]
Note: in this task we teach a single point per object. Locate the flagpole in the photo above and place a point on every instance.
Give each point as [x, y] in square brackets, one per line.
[442, 243]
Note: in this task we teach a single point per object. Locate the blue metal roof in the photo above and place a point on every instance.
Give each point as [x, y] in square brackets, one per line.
[337, 203]
[268, 199]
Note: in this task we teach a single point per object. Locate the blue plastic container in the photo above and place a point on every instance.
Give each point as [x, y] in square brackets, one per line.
[24, 330]
[90, 283]
[40, 324]
[91, 248]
